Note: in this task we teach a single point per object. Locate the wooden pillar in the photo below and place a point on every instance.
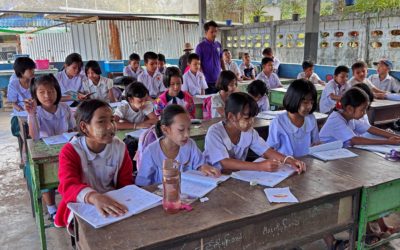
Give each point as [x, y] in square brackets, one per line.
[312, 30]
[202, 17]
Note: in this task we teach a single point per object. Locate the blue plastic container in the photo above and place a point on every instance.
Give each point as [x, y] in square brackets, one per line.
[114, 66]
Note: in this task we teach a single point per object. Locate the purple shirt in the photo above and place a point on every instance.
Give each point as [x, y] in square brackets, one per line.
[210, 57]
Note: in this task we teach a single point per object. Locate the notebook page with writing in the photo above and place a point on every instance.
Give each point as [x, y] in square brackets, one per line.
[331, 151]
[197, 176]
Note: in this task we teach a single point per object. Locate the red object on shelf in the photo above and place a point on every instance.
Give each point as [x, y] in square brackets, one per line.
[42, 64]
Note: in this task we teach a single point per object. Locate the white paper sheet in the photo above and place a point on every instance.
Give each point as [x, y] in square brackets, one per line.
[279, 195]
[136, 133]
[19, 113]
[331, 151]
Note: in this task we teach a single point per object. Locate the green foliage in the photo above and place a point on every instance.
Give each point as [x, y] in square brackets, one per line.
[372, 6]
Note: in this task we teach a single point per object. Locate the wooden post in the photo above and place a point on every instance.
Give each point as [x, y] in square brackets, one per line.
[312, 30]
[202, 17]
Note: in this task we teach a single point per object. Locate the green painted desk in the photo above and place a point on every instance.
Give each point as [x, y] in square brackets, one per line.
[276, 95]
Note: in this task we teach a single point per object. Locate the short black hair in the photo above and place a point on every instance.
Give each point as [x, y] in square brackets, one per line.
[366, 89]
[245, 54]
[136, 89]
[266, 60]
[161, 57]
[307, 64]
[149, 55]
[85, 111]
[297, 92]
[340, 69]
[358, 65]
[48, 79]
[193, 56]
[256, 88]
[238, 101]
[22, 64]
[134, 57]
[94, 65]
[125, 80]
[167, 116]
[224, 78]
[225, 50]
[209, 24]
[74, 58]
[267, 51]
[354, 97]
[169, 73]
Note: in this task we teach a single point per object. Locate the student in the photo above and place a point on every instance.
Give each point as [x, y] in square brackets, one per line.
[47, 116]
[97, 86]
[226, 84]
[227, 142]
[133, 68]
[294, 131]
[259, 91]
[334, 89]
[229, 64]
[136, 112]
[247, 69]
[194, 81]
[267, 52]
[267, 74]
[150, 77]
[161, 63]
[349, 124]
[174, 94]
[309, 74]
[382, 80]
[360, 71]
[69, 78]
[92, 163]
[175, 144]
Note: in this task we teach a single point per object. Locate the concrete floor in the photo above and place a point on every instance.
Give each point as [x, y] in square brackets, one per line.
[18, 228]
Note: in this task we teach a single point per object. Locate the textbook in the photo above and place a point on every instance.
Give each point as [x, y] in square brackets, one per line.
[393, 96]
[59, 139]
[75, 93]
[19, 113]
[134, 198]
[384, 149]
[331, 151]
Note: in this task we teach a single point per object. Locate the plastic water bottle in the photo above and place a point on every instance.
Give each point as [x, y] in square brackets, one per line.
[171, 186]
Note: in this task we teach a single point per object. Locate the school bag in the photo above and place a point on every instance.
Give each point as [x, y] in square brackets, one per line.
[207, 108]
[145, 139]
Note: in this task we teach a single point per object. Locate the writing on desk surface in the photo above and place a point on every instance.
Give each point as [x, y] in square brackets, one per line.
[224, 241]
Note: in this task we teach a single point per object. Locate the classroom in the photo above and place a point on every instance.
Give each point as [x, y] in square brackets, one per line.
[245, 124]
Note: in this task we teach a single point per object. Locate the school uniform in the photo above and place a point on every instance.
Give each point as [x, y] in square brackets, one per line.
[153, 83]
[74, 83]
[82, 171]
[353, 82]
[232, 66]
[189, 157]
[100, 90]
[326, 103]
[216, 102]
[314, 78]
[337, 128]
[288, 139]
[194, 83]
[17, 93]
[276, 64]
[128, 71]
[218, 145]
[125, 111]
[248, 71]
[388, 84]
[263, 103]
[162, 71]
[271, 81]
[183, 99]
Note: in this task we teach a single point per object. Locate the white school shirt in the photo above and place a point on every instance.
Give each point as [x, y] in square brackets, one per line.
[263, 103]
[125, 111]
[99, 170]
[100, 90]
[189, 157]
[129, 72]
[276, 64]
[216, 102]
[288, 139]
[353, 82]
[272, 81]
[218, 146]
[54, 124]
[243, 66]
[326, 103]
[75, 83]
[194, 83]
[388, 84]
[17, 93]
[314, 78]
[153, 83]
[232, 66]
[337, 128]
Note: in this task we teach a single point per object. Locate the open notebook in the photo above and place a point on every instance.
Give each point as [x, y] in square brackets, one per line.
[331, 151]
[59, 139]
[384, 149]
[134, 198]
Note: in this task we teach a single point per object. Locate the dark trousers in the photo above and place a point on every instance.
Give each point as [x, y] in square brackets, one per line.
[211, 88]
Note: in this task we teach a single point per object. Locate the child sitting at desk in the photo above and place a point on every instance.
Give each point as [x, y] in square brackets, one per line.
[133, 68]
[267, 52]
[97, 86]
[228, 142]
[247, 69]
[383, 80]
[150, 77]
[92, 163]
[230, 64]
[226, 84]
[69, 78]
[258, 90]
[161, 63]
[267, 74]
[175, 144]
[308, 73]
[194, 80]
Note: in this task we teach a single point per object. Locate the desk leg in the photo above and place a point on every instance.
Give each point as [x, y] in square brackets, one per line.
[362, 225]
[37, 200]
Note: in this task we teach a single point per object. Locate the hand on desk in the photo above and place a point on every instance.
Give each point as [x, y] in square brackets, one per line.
[210, 171]
[269, 165]
[106, 205]
[297, 164]
[394, 140]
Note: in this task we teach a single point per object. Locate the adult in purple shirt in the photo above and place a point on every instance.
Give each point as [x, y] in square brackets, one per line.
[210, 52]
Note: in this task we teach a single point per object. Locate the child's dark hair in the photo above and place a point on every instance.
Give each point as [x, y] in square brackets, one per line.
[193, 56]
[297, 92]
[134, 57]
[266, 60]
[161, 57]
[366, 89]
[85, 111]
[340, 69]
[226, 50]
[307, 64]
[257, 88]
[149, 55]
[45, 80]
[94, 65]
[358, 65]
[136, 89]
[245, 54]
[224, 79]
[74, 58]
[126, 80]
[169, 73]
[167, 116]
[354, 97]
[209, 24]
[21, 64]
[267, 51]
[238, 101]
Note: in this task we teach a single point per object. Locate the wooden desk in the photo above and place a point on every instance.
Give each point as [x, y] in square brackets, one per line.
[383, 112]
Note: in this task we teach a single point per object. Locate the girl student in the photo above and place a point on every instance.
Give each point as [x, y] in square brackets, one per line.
[97, 86]
[174, 144]
[227, 142]
[226, 85]
[70, 79]
[295, 130]
[47, 116]
[92, 163]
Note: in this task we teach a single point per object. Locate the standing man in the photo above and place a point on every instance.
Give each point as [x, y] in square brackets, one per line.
[184, 58]
[210, 53]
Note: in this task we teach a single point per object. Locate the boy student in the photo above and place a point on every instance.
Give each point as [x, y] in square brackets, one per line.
[151, 78]
[229, 64]
[247, 69]
[161, 63]
[194, 81]
[133, 68]
[267, 52]
[267, 74]
[308, 73]
[382, 80]
[360, 71]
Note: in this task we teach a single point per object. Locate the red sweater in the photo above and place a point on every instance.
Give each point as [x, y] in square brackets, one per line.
[70, 176]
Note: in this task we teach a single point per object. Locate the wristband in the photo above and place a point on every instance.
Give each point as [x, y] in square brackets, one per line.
[287, 157]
